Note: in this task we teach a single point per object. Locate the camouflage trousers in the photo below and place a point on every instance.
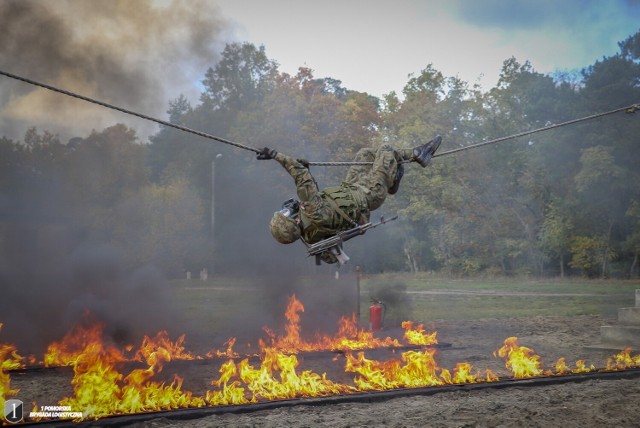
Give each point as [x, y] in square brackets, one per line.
[376, 179]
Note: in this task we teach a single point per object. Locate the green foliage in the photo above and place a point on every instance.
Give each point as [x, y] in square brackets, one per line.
[566, 198]
[587, 254]
[163, 226]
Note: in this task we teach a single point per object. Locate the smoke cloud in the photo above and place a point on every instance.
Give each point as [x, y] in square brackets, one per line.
[44, 295]
[137, 55]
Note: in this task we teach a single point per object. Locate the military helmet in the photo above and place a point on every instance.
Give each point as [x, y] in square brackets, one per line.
[284, 228]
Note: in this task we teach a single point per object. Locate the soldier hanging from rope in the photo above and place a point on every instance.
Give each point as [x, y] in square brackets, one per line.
[320, 215]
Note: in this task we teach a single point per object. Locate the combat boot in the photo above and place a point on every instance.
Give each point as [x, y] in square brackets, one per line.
[423, 154]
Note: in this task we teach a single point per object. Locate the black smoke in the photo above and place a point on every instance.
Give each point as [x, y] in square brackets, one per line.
[136, 55]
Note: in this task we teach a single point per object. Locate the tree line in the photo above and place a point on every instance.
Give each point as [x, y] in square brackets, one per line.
[560, 202]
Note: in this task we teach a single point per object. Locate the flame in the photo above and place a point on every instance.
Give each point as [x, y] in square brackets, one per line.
[100, 390]
[348, 337]
[462, 374]
[419, 370]
[417, 335]
[264, 385]
[162, 343]
[76, 342]
[229, 352]
[561, 367]
[101, 386]
[520, 360]
[228, 392]
[9, 360]
[623, 360]
[351, 337]
[275, 378]
[581, 367]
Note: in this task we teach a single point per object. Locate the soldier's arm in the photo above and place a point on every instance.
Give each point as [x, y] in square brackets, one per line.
[306, 185]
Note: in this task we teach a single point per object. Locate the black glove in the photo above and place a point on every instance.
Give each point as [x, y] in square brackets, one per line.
[266, 153]
[304, 162]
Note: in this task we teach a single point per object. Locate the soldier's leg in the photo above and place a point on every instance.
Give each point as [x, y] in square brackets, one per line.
[381, 176]
[358, 173]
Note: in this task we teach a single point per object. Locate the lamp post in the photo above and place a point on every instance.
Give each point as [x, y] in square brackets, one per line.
[213, 209]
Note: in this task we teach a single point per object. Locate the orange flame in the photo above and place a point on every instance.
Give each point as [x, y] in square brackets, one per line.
[419, 370]
[9, 360]
[581, 367]
[263, 384]
[519, 359]
[229, 352]
[351, 337]
[228, 392]
[162, 343]
[100, 390]
[276, 378]
[348, 337]
[75, 343]
[623, 360]
[417, 335]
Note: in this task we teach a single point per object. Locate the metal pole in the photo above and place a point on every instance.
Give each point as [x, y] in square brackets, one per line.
[358, 292]
[213, 209]
[213, 194]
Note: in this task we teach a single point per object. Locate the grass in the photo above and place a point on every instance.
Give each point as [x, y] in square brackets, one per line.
[207, 307]
[481, 298]
[425, 281]
[226, 304]
[478, 307]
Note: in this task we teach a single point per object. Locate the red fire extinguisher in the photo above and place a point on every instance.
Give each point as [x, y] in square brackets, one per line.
[376, 315]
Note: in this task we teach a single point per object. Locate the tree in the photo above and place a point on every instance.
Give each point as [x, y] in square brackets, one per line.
[603, 187]
[163, 226]
[242, 77]
[555, 233]
[432, 105]
[632, 242]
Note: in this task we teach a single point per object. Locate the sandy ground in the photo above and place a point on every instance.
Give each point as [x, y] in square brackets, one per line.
[601, 403]
[588, 404]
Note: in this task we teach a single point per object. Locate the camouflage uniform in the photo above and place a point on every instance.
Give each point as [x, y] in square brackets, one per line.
[363, 190]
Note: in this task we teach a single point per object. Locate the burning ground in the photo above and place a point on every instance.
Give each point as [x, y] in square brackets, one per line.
[289, 362]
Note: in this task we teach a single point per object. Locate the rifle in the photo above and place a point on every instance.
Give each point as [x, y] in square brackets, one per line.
[333, 244]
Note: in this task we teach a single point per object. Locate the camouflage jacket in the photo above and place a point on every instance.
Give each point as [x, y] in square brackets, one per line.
[320, 217]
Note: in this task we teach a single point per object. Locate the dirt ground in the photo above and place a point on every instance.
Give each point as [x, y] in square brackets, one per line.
[601, 403]
[588, 404]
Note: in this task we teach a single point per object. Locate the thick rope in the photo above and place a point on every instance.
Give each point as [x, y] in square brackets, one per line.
[629, 109]
[132, 113]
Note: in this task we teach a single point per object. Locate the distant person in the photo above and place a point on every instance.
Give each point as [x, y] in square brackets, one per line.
[319, 215]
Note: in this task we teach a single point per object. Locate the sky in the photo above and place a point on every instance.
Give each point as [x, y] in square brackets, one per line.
[372, 46]
[142, 54]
